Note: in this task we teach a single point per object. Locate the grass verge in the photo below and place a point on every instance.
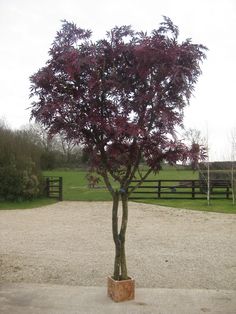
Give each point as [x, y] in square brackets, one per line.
[218, 206]
[75, 189]
[27, 204]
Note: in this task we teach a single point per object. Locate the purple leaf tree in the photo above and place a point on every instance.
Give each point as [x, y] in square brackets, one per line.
[122, 98]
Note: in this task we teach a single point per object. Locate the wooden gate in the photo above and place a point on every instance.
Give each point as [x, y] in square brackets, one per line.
[53, 187]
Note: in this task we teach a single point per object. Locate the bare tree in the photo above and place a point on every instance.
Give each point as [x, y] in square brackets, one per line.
[68, 146]
[194, 136]
[233, 155]
[41, 137]
[197, 142]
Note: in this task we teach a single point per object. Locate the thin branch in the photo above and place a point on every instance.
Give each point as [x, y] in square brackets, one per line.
[106, 164]
[129, 174]
[107, 182]
[139, 172]
[135, 167]
[140, 182]
[104, 156]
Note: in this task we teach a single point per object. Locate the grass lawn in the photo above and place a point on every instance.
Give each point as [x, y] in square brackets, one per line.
[26, 204]
[75, 188]
[219, 206]
[75, 185]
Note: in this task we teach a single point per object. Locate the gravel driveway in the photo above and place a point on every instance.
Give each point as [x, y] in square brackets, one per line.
[71, 243]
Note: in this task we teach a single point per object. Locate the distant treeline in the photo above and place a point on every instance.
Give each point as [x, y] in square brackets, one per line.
[25, 153]
[20, 176]
[219, 170]
[217, 165]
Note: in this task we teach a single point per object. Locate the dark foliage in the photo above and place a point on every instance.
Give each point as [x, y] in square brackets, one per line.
[122, 98]
[19, 166]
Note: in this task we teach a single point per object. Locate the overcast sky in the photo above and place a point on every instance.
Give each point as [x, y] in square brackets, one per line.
[28, 27]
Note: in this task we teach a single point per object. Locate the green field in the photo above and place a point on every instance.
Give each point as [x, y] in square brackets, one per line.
[75, 185]
[75, 188]
[26, 204]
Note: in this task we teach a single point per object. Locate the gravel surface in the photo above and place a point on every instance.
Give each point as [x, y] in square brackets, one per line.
[71, 243]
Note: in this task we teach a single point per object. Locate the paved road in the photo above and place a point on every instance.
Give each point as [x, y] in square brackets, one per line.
[57, 299]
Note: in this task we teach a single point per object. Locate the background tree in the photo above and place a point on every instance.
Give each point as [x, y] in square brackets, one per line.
[55, 150]
[19, 165]
[121, 98]
[196, 141]
[46, 143]
[194, 136]
[72, 152]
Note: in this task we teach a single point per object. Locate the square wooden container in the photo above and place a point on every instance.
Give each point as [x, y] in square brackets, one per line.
[121, 290]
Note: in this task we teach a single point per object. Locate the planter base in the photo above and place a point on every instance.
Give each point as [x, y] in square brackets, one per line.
[121, 290]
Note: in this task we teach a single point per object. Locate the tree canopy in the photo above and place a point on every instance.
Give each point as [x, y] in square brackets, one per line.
[121, 97]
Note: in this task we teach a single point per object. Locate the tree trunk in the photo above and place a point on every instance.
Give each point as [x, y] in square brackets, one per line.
[123, 228]
[115, 235]
[120, 268]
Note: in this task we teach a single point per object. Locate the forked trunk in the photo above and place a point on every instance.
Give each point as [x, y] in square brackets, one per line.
[120, 268]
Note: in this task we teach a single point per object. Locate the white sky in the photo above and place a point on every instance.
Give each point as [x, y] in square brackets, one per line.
[28, 27]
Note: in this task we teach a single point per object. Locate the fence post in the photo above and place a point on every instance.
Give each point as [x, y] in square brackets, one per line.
[227, 192]
[193, 189]
[47, 187]
[159, 189]
[60, 189]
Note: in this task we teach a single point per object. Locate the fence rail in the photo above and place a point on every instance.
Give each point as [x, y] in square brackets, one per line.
[179, 189]
[53, 187]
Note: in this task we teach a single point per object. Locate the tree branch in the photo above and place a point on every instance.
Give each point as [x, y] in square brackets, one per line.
[141, 181]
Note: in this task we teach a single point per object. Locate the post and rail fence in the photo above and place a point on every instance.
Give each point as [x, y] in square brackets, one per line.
[158, 189]
[53, 187]
[179, 189]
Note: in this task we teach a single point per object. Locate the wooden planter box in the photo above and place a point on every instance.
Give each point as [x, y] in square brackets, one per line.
[122, 290]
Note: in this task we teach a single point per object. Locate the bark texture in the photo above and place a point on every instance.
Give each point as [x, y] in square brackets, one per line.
[120, 267]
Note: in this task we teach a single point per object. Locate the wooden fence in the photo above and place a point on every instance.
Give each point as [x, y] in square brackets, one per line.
[180, 189]
[53, 187]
